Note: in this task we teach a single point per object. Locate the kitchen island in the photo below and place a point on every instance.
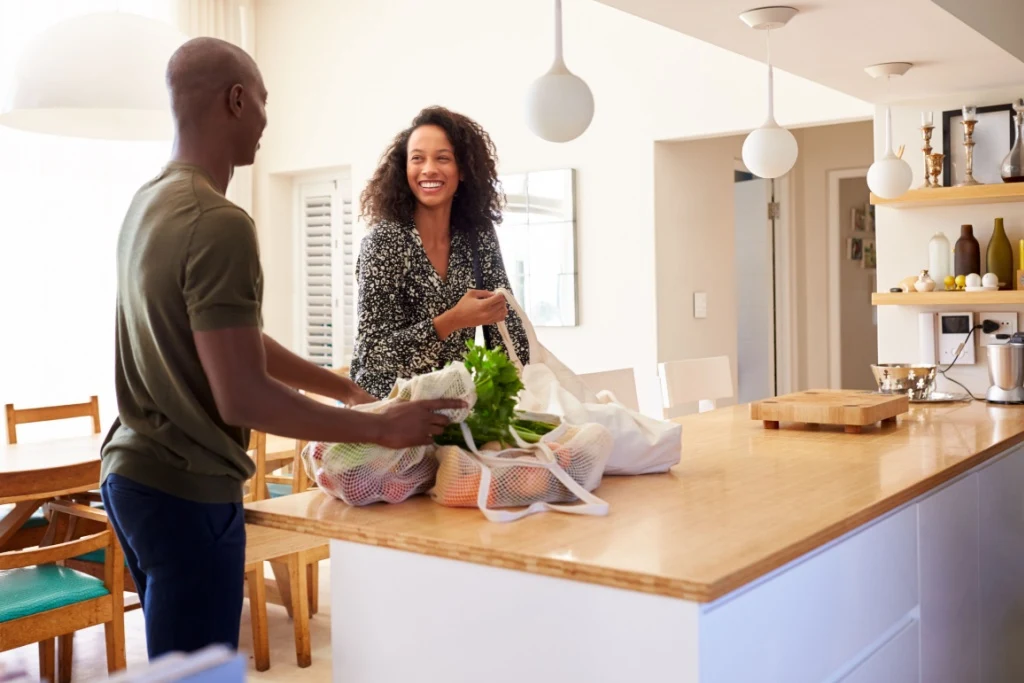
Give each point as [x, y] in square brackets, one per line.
[802, 554]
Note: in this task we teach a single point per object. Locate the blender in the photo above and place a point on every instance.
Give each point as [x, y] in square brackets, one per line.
[1006, 371]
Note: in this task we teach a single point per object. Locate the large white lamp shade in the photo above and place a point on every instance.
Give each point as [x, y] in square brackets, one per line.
[559, 104]
[890, 176]
[95, 76]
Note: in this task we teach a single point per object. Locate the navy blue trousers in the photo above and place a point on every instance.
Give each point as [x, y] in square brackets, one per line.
[187, 560]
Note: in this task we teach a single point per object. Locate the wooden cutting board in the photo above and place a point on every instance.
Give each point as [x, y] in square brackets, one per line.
[851, 409]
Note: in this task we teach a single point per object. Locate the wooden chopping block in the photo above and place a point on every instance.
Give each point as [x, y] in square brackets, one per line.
[853, 410]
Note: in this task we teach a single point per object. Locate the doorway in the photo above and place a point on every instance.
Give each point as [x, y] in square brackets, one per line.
[853, 322]
[757, 210]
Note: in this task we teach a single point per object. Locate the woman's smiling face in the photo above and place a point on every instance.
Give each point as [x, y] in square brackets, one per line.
[431, 167]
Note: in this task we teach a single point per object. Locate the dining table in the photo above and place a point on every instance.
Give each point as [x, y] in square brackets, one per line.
[33, 473]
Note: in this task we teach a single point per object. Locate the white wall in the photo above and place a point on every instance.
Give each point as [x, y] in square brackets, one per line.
[903, 234]
[344, 77]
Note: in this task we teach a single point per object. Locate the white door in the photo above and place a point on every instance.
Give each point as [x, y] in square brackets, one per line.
[755, 290]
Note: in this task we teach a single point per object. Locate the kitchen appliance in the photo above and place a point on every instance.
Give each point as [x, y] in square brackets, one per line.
[1006, 371]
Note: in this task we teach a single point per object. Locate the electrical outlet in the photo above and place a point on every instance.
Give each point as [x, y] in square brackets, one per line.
[1007, 325]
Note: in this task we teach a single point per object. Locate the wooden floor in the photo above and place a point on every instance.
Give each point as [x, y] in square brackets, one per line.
[90, 659]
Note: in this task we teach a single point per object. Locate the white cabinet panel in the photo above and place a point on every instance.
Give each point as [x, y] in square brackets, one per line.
[898, 661]
[949, 583]
[1001, 492]
[807, 622]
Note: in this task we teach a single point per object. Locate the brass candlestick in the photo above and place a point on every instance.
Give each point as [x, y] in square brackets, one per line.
[933, 163]
[969, 147]
[926, 131]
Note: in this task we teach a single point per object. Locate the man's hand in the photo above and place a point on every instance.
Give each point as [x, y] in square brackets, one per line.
[414, 423]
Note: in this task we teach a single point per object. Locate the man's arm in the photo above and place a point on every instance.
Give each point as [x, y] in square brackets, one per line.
[234, 360]
[299, 373]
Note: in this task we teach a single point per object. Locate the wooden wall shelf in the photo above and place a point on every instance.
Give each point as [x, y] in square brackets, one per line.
[1008, 298]
[955, 196]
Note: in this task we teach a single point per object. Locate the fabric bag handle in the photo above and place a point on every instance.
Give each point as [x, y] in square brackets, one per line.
[591, 505]
[531, 334]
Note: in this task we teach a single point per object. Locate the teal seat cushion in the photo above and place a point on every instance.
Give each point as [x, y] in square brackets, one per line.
[97, 556]
[32, 590]
[278, 490]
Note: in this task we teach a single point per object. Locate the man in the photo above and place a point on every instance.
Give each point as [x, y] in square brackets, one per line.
[194, 372]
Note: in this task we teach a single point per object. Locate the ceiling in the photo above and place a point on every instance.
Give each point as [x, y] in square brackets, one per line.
[831, 41]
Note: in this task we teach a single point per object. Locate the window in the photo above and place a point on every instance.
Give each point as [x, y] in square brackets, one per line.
[326, 270]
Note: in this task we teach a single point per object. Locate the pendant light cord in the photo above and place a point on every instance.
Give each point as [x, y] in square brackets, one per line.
[771, 82]
[888, 116]
[558, 31]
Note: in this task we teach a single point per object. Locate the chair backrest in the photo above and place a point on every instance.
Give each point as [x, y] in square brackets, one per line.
[621, 383]
[700, 380]
[17, 417]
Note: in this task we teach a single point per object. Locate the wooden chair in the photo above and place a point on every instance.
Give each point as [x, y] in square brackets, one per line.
[17, 417]
[41, 600]
[620, 383]
[699, 380]
[31, 532]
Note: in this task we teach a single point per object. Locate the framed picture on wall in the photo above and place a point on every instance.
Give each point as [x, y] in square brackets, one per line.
[869, 255]
[993, 138]
[855, 249]
[857, 219]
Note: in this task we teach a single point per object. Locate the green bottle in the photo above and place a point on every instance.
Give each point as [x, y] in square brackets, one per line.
[999, 257]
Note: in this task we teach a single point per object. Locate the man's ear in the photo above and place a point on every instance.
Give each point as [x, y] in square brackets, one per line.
[235, 99]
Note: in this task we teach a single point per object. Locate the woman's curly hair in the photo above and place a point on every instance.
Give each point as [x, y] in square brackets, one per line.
[479, 198]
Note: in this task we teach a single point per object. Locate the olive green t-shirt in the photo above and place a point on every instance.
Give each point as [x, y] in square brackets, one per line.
[187, 260]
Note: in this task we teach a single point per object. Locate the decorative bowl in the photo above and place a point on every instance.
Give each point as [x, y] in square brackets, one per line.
[916, 381]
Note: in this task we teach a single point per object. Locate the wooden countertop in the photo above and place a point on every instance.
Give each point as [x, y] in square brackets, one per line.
[743, 502]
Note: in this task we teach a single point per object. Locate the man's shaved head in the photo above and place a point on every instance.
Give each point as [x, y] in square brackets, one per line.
[203, 70]
[217, 94]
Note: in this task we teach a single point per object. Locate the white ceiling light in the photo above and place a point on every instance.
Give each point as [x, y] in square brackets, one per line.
[769, 151]
[95, 76]
[890, 176]
[559, 105]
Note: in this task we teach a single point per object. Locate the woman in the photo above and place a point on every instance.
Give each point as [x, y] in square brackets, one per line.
[432, 205]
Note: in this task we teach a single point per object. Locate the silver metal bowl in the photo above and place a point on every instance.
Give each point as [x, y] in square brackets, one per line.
[916, 381]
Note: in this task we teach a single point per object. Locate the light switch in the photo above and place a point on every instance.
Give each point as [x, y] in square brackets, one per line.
[700, 304]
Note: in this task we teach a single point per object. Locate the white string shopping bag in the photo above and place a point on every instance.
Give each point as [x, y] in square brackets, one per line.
[365, 473]
[642, 444]
[564, 466]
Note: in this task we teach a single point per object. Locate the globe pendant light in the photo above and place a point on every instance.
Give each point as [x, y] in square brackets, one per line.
[769, 151]
[95, 76]
[559, 105]
[890, 176]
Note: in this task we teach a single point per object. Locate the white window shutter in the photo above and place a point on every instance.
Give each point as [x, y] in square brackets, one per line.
[326, 277]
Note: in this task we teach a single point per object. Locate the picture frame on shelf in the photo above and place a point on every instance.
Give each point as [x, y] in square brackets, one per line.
[855, 248]
[870, 256]
[993, 138]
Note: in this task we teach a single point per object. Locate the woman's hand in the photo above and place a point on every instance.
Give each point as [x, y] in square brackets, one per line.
[475, 308]
[357, 397]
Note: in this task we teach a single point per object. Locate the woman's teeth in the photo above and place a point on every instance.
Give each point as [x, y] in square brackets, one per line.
[431, 184]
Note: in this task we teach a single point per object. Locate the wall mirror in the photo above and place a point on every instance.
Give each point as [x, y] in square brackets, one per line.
[538, 244]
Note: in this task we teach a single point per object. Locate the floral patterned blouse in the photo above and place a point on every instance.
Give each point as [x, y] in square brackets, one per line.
[400, 294]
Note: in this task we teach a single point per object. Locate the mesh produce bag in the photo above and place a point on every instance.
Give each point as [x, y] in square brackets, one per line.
[364, 473]
[563, 467]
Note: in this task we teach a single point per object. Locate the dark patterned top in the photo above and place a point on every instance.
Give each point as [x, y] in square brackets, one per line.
[400, 294]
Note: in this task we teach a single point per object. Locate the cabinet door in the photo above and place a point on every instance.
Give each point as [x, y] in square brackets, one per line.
[948, 536]
[1001, 490]
[898, 661]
